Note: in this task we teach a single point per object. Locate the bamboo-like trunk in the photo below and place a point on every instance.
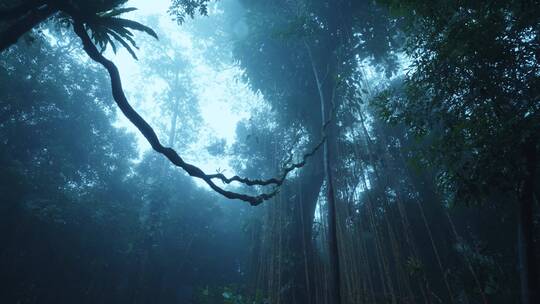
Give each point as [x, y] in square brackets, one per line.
[527, 259]
[333, 250]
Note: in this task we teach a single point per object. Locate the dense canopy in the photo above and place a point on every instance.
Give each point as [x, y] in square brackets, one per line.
[388, 151]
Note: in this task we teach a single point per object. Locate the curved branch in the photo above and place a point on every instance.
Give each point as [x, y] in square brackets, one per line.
[272, 181]
[286, 170]
[150, 135]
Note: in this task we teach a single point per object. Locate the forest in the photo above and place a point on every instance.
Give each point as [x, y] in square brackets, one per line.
[270, 151]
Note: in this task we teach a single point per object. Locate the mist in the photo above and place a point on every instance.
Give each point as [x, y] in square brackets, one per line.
[269, 152]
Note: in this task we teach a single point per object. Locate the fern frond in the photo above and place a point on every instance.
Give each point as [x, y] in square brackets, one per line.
[123, 43]
[116, 12]
[134, 25]
[106, 27]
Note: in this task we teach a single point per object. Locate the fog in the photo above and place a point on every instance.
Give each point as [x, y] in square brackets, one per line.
[269, 152]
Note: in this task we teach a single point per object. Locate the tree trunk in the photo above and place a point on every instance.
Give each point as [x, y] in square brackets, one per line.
[301, 237]
[527, 258]
[326, 95]
[333, 246]
[174, 119]
[333, 239]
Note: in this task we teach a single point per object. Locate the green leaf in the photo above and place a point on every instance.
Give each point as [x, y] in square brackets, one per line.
[226, 295]
[134, 25]
[123, 43]
[111, 42]
[117, 12]
[124, 34]
[106, 27]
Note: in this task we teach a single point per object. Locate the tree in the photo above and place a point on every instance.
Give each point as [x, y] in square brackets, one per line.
[477, 107]
[101, 19]
[74, 207]
[309, 53]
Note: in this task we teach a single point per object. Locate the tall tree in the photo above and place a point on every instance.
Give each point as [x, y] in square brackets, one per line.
[474, 81]
[103, 20]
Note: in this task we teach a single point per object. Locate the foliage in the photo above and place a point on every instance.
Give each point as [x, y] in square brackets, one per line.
[458, 111]
[224, 295]
[76, 205]
[474, 105]
[182, 9]
[106, 27]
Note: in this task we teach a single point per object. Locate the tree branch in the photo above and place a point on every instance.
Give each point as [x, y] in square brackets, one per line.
[150, 135]
[23, 24]
[20, 10]
[272, 181]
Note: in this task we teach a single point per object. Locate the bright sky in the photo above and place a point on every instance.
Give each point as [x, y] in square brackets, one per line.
[223, 100]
